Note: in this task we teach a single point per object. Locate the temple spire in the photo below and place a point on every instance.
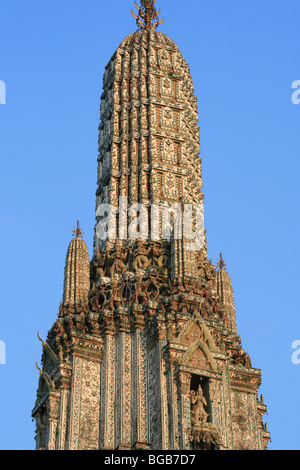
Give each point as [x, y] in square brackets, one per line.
[224, 289]
[147, 17]
[77, 271]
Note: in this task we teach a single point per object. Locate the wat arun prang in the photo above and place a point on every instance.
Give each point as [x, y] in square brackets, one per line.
[145, 352]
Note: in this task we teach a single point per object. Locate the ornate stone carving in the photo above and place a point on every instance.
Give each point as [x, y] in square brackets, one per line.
[205, 436]
[146, 317]
[198, 403]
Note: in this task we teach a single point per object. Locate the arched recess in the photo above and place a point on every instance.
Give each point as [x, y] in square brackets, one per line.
[196, 329]
[199, 356]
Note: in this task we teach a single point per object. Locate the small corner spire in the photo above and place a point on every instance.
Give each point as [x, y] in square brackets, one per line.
[147, 17]
[77, 232]
[221, 263]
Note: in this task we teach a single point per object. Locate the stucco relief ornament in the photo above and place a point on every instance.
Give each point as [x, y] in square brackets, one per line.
[168, 115]
[169, 152]
[118, 267]
[141, 261]
[147, 17]
[166, 83]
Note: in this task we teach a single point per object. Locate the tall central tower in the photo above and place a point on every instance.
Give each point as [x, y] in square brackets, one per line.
[145, 352]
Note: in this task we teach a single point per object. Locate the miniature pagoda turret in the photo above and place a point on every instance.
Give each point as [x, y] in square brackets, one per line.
[145, 352]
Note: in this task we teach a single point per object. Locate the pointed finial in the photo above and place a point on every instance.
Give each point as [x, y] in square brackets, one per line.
[147, 17]
[38, 368]
[77, 232]
[221, 263]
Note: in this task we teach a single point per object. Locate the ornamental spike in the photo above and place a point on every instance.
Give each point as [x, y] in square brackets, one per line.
[147, 17]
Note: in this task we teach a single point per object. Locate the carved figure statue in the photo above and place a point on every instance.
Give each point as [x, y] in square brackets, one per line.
[155, 253]
[118, 266]
[99, 264]
[164, 259]
[198, 403]
[141, 260]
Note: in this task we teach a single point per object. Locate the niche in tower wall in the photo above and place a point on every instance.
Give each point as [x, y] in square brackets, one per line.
[200, 401]
[204, 435]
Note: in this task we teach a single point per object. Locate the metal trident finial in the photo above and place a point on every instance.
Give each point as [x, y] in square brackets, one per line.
[221, 263]
[149, 14]
[77, 232]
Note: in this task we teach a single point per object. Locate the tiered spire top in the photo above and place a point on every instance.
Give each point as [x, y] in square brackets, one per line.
[147, 17]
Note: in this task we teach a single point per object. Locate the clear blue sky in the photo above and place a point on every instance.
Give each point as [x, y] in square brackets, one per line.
[244, 57]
